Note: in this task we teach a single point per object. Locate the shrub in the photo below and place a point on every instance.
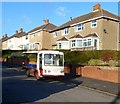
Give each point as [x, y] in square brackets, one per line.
[108, 55]
[95, 62]
[113, 63]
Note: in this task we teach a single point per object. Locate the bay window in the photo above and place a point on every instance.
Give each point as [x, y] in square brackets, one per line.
[73, 43]
[87, 42]
[76, 43]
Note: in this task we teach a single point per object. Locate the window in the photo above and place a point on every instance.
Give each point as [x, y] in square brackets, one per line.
[73, 43]
[87, 42]
[53, 60]
[38, 33]
[59, 45]
[79, 43]
[93, 23]
[80, 27]
[32, 46]
[65, 31]
[26, 37]
[95, 43]
[55, 33]
[26, 46]
[33, 35]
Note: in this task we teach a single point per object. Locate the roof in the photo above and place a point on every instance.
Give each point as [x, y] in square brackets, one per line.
[88, 16]
[54, 45]
[76, 36]
[18, 35]
[63, 39]
[89, 35]
[47, 27]
[4, 39]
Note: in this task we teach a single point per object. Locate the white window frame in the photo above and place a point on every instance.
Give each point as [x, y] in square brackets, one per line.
[65, 31]
[64, 45]
[39, 33]
[74, 42]
[87, 41]
[33, 35]
[80, 27]
[93, 22]
[59, 45]
[32, 46]
[55, 34]
[78, 45]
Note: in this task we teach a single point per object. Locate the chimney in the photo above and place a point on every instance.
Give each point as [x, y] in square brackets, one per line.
[46, 21]
[16, 31]
[96, 7]
[21, 29]
[6, 35]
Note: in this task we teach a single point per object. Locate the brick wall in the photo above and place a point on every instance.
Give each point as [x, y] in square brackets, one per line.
[101, 74]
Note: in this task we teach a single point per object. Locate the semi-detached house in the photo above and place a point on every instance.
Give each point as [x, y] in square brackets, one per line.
[98, 30]
[18, 41]
[40, 37]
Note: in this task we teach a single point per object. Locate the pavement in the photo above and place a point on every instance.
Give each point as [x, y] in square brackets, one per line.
[109, 88]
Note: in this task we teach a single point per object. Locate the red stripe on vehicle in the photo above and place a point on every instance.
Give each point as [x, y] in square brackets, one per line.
[41, 71]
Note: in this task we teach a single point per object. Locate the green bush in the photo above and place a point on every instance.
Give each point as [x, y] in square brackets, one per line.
[78, 57]
[113, 63]
[95, 62]
[83, 57]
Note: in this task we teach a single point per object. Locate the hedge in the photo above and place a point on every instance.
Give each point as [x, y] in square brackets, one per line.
[77, 57]
[83, 57]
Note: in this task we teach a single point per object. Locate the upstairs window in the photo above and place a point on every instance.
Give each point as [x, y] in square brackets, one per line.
[33, 35]
[55, 34]
[93, 23]
[65, 31]
[38, 33]
[80, 27]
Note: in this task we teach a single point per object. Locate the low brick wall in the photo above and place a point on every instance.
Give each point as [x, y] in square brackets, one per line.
[101, 74]
[111, 74]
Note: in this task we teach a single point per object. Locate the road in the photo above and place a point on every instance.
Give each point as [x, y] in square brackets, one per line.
[17, 88]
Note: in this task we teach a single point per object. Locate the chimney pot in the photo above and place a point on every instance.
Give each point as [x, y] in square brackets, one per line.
[21, 29]
[5, 35]
[16, 31]
[96, 7]
[46, 21]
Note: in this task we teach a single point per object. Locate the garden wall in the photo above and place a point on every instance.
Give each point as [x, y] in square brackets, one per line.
[99, 73]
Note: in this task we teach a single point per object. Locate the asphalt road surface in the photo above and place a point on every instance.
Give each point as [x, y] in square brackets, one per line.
[17, 88]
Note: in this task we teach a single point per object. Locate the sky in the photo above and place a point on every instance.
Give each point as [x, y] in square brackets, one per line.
[29, 15]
